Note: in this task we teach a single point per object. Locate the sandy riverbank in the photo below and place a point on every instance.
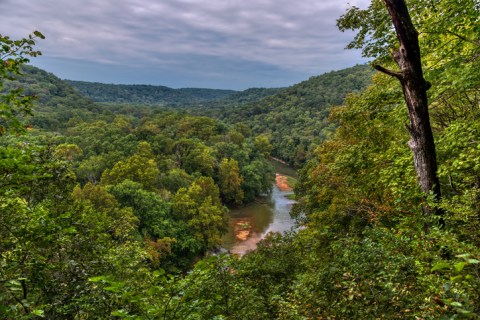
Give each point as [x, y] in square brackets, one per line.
[282, 183]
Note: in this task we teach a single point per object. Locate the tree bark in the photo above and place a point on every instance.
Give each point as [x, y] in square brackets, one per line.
[415, 89]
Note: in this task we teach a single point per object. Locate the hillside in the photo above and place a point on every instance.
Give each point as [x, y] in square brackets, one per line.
[293, 118]
[296, 117]
[57, 102]
[48, 88]
[165, 96]
[146, 94]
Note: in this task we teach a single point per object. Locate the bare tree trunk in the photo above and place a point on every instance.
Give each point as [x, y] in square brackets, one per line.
[415, 93]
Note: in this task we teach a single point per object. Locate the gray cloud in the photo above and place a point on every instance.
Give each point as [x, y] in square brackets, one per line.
[299, 36]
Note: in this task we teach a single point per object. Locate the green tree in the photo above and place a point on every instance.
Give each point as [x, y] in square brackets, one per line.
[408, 59]
[200, 206]
[51, 241]
[448, 57]
[68, 151]
[230, 181]
[141, 167]
[14, 104]
[262, 143]
[90, 169]
[194, 156]
[175, 179]
[258, 177]
[123, 219]
[152, 211]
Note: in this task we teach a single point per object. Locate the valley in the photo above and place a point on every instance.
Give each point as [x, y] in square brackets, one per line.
[353, 194]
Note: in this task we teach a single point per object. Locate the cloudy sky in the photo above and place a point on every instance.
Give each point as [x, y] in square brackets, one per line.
[228, 44]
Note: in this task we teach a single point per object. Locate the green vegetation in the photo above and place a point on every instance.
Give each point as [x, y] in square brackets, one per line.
[101, 191]
[110, 211]
[295, 118]
[147, 94]
[292, 182]
[161, 95]
[14, 103]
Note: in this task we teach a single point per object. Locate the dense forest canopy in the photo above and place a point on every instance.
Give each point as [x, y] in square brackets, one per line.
[293, 118]
[113, 210]
[92, 182]
[147, 94]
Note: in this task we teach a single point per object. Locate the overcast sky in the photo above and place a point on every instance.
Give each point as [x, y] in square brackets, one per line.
[227, 44]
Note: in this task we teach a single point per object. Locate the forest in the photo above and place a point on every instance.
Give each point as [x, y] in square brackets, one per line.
[293, 118]
[113, 199]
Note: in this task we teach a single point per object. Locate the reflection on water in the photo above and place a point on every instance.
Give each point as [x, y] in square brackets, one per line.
[284, 169]
[249, 224]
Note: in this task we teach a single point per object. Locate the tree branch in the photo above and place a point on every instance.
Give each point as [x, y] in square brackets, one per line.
[392, 73]
[477, 43]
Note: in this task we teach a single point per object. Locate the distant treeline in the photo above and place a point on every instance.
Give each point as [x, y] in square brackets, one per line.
[161, 95]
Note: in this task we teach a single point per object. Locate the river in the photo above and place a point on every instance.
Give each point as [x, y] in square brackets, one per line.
[249, 224]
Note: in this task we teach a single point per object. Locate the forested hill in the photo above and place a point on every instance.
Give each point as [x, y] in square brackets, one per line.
[295, 118]
[147, 94]
[248, 96]
[57, 102]
[165, 96]
[48, 88]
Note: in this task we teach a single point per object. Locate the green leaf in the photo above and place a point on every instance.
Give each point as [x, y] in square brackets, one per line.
[456, 278]
[440, 265]
[39, 313]
[459, 266]
[98, 279]
[119, 313]
[159, 272]
[14, 283]
[465, 312]
[115, 287]
[71, 230]
[39, 34]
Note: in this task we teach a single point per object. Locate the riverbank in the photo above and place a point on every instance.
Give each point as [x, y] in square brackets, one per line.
[285, 183]
[249, 224]
[269, 213]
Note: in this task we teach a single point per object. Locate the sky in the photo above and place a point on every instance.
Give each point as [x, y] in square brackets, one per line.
[223, 44]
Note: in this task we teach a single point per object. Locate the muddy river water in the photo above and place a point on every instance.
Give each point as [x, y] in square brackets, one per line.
[249, 224]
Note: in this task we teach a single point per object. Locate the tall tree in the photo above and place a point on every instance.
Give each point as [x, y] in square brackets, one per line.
[230, 181]
[200, 206]
[141, 167]
[408, 58]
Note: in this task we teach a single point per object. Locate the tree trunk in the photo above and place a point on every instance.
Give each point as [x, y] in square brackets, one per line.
[415, 93]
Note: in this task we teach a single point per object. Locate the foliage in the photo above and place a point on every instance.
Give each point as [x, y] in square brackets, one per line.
[126, 247]
[230, 181]
[200, 206]
[146, 198]
[140, 167]
[14, 104]
[51, 242]
[56, 102]
[147, 94]
[295, 117]
[448, 39]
